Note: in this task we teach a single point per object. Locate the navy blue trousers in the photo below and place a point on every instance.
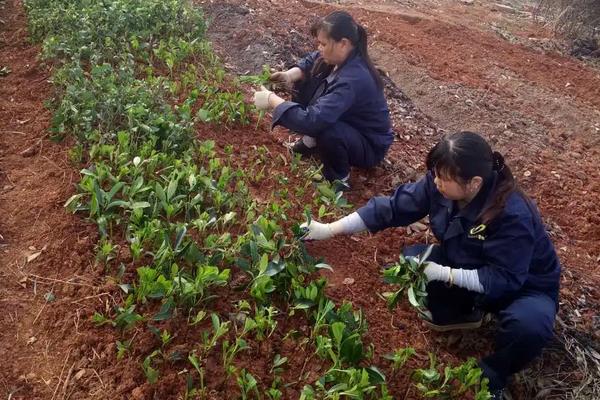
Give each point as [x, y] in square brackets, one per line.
[525, 322]
[340, 146]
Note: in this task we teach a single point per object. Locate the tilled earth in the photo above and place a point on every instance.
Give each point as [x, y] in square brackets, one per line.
[486, 67]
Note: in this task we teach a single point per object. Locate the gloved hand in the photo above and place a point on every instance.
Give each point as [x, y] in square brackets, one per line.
[284, 78]
[261, 98]
[437, 272]
[317, 231]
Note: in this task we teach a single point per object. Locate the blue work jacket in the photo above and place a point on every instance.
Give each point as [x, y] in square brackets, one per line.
[511, 254]
[349, 94]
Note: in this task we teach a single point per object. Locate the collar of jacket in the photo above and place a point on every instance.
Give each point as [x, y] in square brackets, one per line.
[334, 74]
[470, 212]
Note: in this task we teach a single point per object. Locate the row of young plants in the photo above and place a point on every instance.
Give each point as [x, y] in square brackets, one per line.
[133, 79]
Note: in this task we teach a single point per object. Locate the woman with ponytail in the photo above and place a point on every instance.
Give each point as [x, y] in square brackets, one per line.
[494, 253]
[338, 103]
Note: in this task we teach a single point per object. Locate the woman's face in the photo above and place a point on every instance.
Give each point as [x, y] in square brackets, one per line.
[457, 191]
[333, 53]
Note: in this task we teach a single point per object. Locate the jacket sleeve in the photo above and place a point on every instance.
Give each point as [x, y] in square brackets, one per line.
[409, 203]
[313, 119]
[306, 63]
[508, 254]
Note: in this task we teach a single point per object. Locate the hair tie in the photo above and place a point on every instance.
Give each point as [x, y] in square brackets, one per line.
[498, 161]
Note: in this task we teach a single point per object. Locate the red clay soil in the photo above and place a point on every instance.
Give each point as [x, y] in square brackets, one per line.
[51, 350]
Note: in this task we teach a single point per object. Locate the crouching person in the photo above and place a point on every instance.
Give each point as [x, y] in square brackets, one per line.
[338, 103]
[494, 253]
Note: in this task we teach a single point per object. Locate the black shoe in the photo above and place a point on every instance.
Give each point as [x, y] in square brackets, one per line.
[300, 148]
[472, 320]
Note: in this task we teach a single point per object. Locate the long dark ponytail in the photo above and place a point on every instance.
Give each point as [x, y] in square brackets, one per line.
[339, 25]
[464, 155]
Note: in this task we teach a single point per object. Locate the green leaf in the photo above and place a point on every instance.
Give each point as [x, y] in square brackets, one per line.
[181, 231]
[337, 329]
[139, 204]
[114, 190]
[203, 115]
[117, 203]
[172, 188]
[411, 297]
[275, 268]
[160, 193]
[279, 361]
[264, 262]
[166, 310]
[376, 377]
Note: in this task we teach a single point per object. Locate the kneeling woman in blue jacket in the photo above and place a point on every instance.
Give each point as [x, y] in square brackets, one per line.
[338, 103]
[494, 253]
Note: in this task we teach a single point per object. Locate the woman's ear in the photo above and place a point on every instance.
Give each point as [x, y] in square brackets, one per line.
[346, 43]
[475, 183]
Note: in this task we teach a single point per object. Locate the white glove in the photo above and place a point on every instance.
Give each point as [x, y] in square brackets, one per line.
[261, 98]
[464, 278]
[348, 225]
[437, 272]
[317, 231]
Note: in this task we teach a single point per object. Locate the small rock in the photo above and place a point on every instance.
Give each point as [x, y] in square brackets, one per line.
[348, 281]
[30, 376]
[581, 175]
[32, 340]
[527, 174]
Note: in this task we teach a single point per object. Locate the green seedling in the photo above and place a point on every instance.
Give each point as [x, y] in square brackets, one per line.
[230, 350]
[264, 317]
[454, 383]
[247, 384]
[126, 317]
[400, 357]
[354, 383]
[219, 330]
[196, 363]
[150, 372]
[123, 348]
[199, 317]
[278, 363]
[409, 275]
[329, 199]
[165, 337]
[257, 80]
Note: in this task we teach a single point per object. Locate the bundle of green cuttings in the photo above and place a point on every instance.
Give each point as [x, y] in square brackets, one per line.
[409, 275]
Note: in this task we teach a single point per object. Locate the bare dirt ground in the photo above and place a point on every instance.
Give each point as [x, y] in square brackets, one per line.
[451, 66]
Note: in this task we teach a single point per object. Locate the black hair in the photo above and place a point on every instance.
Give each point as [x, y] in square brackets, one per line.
[463, 155]
[339, 25]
